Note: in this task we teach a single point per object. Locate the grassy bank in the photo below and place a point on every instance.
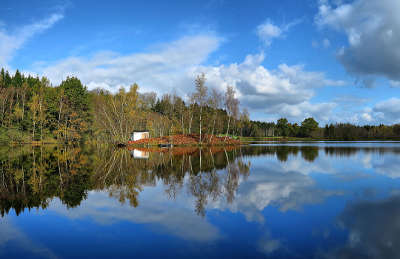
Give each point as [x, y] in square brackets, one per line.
[11, 136]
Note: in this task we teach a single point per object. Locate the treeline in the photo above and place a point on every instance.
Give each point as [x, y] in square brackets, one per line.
[31, 109]
[310, 128]
[207, 112]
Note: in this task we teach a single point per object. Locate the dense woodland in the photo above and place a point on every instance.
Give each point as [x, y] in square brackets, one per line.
[31, 109]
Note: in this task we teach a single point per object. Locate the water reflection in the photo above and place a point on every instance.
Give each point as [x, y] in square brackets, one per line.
[32, 176]
[293, 200]
[373, 227]
[25, 247]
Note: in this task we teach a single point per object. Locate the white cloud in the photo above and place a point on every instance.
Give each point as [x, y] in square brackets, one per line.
[373, 33]
[160, 70]
[268, 31]
[10, 42]
[366, 117]
[386, 111]
[390, 109]
[286, 91]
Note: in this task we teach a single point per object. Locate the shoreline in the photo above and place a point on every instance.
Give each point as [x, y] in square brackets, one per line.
[165, 142]
[181, 140]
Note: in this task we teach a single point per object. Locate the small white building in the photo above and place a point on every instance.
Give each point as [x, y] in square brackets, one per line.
[137, 135]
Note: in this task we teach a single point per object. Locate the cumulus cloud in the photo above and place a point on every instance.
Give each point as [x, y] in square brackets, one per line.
[386, 111]
[390, 109]
[286, 91]
[373, 33]
[10, 42]
[268, 31]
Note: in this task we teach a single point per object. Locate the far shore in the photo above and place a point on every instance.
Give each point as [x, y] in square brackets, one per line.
[192, 140]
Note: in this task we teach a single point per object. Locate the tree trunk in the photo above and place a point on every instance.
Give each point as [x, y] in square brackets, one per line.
[23, 106]
[227, 131]
[212, 132]
[190, 124]
[183, 125]
[33, 132]
[201, 110]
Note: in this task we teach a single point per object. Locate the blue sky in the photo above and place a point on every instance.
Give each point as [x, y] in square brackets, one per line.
[338, 61]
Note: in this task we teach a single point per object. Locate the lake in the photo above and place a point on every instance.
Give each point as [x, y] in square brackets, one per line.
[290, 200]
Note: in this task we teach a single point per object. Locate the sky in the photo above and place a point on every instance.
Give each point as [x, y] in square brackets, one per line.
[334, 60]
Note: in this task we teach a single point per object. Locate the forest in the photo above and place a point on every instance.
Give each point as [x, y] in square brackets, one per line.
[33, 110]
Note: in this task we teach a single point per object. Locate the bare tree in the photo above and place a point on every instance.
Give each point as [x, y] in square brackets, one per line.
[201, 96]
[231, 105]
[118, 112]
[147, 100]
[215, 102]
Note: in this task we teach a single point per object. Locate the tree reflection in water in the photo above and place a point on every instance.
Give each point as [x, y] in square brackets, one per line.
[32, 176]
[123, 176]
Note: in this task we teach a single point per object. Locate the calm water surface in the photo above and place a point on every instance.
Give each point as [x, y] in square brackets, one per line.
[297, 200]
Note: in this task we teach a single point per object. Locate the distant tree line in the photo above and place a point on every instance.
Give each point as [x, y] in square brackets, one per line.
[309, 128]
[31, 109]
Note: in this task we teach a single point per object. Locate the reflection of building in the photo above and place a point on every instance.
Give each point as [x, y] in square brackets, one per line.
[136, 153]
[137, 135]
